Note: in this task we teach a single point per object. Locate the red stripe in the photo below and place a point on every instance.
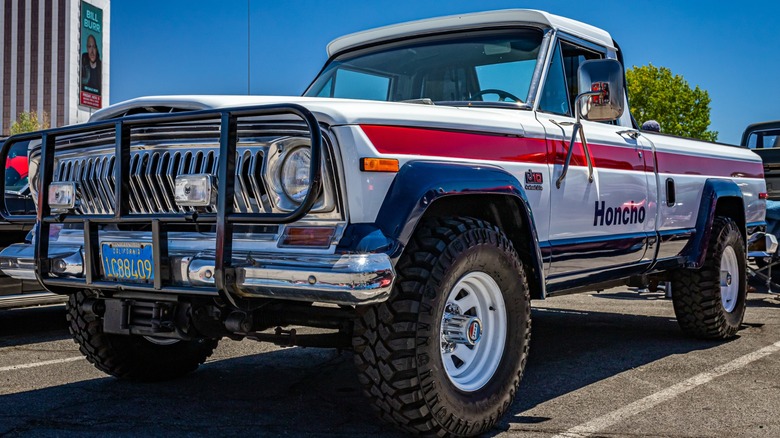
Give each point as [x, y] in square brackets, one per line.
[405, 140]
[604, 157]
[693, 165]
[434, 142]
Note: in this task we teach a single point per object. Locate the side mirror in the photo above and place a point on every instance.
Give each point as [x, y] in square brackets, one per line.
[601, 99]
[602, 81]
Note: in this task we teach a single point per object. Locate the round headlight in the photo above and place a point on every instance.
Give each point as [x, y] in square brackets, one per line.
[295, 174]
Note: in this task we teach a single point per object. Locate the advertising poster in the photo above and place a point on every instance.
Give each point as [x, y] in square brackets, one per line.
[91, 77]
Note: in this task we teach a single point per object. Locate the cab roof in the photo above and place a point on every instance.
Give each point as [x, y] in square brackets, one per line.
[507, 17]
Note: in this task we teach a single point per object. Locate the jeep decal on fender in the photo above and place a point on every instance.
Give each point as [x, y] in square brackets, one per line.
[627, 214]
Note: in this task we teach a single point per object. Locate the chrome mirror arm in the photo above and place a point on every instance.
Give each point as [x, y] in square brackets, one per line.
[578, 130]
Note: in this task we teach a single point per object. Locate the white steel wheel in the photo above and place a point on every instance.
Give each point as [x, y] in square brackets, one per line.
[729, 279]
[473, 331]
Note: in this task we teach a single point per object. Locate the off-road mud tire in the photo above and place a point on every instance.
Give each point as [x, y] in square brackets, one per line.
[398, 344]
[132, 357]
[696, 293]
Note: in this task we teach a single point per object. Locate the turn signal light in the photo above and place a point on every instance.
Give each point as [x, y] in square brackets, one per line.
[311, 237]
[379, 165]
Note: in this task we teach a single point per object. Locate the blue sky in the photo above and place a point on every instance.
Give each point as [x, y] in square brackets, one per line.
[731, 49]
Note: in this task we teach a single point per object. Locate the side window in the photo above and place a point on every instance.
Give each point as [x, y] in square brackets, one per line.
[554, 96]
[764, 140]
[573, 56]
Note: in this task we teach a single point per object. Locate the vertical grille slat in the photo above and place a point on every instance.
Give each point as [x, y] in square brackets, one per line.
[137, 196]
[256, 182]
[240, 203]
[105, 184]
[172, 171]
[92, 202]
[94, 180]
[166, 193]
[111, 182]
[153, 193]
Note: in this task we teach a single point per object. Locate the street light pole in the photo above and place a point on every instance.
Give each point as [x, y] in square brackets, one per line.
[248, 51]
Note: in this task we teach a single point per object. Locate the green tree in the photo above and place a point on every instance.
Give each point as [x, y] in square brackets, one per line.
[29, 122]
[657, 94]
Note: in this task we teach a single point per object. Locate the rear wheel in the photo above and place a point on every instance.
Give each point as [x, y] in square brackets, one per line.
[132, 357]
[710, 302]
[445, 354]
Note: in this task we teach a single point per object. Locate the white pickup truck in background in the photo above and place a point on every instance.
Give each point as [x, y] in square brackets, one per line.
[435, 177]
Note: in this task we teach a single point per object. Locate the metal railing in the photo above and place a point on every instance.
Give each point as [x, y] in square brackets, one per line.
[121, 183]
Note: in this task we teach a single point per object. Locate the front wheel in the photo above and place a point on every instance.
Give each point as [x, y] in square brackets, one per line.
[710, 302]
[133, 357]
[445, 354]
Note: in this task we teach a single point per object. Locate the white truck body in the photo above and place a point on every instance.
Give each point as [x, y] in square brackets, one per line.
[395, 189]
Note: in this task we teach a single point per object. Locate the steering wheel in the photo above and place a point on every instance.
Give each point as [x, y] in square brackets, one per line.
[502, 95]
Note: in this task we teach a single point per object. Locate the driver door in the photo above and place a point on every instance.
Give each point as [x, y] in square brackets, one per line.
[599, 216]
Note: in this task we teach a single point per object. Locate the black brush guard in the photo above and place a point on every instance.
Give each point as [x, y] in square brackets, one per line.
[224, 218]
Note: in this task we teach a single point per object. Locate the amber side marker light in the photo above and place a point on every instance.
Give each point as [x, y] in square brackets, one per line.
[312, 237]
[379, 165]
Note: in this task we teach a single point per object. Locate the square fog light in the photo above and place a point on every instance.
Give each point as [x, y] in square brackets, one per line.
[62, 195]
[194, 190]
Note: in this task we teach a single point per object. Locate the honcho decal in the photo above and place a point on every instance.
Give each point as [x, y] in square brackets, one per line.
[626, 214]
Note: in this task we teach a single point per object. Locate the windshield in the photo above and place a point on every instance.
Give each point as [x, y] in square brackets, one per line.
[492, 66]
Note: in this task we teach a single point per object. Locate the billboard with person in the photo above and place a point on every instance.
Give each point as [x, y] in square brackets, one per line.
[91, 74]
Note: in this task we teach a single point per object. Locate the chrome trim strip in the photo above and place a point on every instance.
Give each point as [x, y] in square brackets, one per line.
[31, 299]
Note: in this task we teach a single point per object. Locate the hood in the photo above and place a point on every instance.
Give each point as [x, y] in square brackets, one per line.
[336, 112]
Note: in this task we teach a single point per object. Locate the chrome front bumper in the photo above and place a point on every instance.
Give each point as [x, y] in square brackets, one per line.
[347, 279]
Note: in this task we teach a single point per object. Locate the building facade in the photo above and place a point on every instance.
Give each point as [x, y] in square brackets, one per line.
[54, 59]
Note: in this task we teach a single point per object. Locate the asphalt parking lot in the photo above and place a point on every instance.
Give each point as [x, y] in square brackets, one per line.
[609, 364]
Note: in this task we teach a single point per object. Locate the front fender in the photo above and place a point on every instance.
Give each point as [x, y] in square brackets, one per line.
[419, 184]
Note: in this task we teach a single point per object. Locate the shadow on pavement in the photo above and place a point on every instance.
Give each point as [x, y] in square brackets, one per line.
[31, 325]
[571, 350]
[311, 392]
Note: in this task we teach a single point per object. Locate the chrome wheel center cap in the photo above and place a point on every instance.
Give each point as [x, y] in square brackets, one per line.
[462, 329]
[725, 278]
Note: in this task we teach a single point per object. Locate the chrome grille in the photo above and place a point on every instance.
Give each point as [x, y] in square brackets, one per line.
[152, 178]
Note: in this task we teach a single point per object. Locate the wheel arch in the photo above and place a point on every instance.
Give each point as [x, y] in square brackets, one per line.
[720, 197]
[424, 189]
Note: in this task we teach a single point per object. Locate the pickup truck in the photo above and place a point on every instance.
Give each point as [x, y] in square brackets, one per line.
[433, 179]
[762, 138]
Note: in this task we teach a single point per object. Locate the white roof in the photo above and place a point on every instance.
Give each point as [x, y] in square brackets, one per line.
[471, 21]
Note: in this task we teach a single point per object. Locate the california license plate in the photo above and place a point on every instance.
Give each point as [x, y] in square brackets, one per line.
[127, 261]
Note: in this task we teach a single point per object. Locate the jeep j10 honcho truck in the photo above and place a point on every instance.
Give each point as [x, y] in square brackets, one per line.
[434, 178]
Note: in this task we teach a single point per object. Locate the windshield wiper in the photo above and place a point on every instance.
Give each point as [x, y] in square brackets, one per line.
[482, 104]
[421, 101]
